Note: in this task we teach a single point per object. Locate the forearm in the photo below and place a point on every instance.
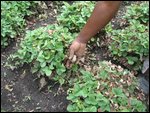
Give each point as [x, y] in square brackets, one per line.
[102, 14]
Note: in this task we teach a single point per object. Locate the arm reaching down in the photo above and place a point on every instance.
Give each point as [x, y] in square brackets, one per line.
[103, 12]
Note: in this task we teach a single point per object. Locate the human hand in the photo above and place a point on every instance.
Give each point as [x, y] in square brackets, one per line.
[76, 51]
[77, 48]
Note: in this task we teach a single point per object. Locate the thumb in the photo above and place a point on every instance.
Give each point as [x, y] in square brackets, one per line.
[71, 54]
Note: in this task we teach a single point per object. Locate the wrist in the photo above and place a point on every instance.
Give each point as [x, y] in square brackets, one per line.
[81, 39]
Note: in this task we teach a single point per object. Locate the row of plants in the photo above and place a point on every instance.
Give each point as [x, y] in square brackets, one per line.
[45, 48]
[74, 16]
[132, 42]
[12, 19]
[111, 89]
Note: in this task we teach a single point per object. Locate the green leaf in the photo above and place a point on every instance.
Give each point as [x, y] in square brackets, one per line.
[43, 64]
[40, 57]
[51, 66]
[130, 62]
[104, 104]
[93, 109]
[122, 101]
[70, 108]
[74, 67]
[61, 81]
[117, 91]
[138, 105]
[90, 109]
[83, 92]
[60, 71]
[71, 97]
[103, 74]
[47, 71]
[91, 100]
[86, 75]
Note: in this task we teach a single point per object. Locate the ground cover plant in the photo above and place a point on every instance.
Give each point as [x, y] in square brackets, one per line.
[132, 42]
[111, 88]
[12, 19]
[90, 84]
[45, 49]
[74, 16]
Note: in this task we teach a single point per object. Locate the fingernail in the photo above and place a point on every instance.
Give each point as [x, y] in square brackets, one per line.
[74, 58]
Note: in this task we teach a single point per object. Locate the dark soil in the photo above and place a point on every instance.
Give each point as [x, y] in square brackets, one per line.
[23, 93]
[20, 90]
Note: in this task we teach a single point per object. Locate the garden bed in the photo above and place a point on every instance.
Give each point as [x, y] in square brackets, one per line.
[20, 89]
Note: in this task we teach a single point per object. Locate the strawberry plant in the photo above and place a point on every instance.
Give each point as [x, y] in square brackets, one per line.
[84, 97]
[75, 16]
[45, 49]
[131, 45]
[105, 91]
[12, 19]
[139, 12]
[131, 42]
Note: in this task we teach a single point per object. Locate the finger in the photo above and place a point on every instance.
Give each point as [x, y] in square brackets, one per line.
[71, 54]
[68, 64]
[74, 59]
